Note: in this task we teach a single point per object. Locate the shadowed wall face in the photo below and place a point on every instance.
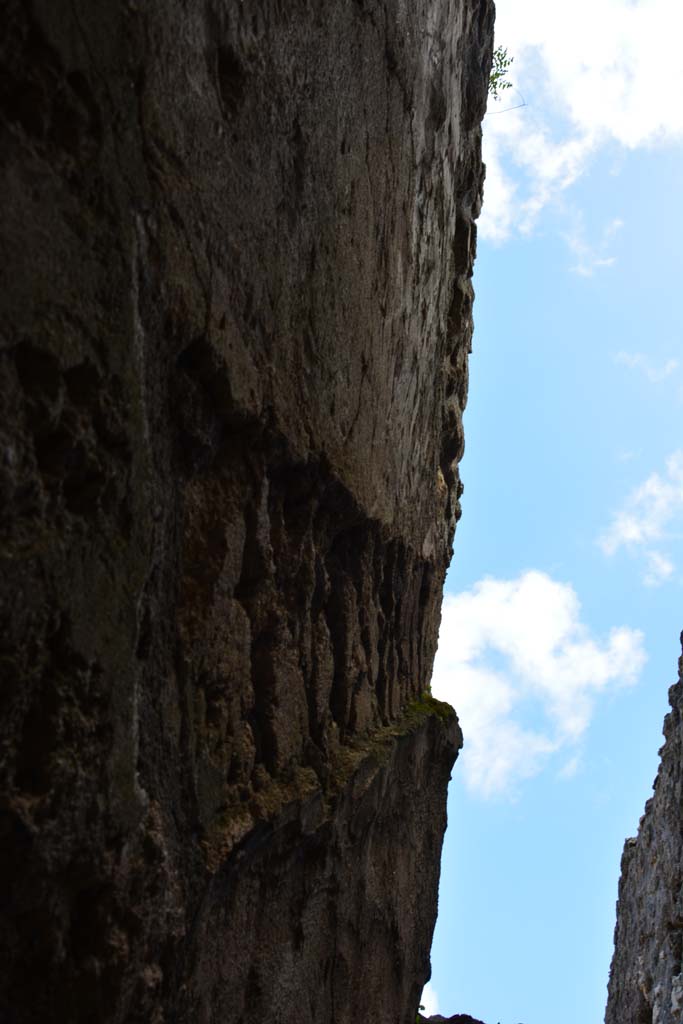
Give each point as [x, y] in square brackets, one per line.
[646, 976]
[236, 315]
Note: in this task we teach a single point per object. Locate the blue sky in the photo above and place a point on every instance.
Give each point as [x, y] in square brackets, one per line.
[564, 600]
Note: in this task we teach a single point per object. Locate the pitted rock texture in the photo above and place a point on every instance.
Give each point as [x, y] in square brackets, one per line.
[236, 313]
[646, 977]
[333, 901]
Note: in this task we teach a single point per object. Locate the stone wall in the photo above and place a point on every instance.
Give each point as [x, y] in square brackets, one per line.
[646, 977]
[236, 314]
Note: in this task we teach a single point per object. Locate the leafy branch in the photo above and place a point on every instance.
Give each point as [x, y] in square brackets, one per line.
[498, 80]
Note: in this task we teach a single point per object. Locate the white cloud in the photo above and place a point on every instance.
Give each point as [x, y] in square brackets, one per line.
[429, 1000]
[523, 673]
[571, 768]
[590, 258]
[593, 72]
[628, 455]
[526, 168]
[638, 361]
[647, 512]
[659, 569]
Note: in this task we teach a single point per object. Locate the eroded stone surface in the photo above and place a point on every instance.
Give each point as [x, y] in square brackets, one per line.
[236, 314]
[646, 977]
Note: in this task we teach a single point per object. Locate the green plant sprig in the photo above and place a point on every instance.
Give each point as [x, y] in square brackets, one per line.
[498, 80]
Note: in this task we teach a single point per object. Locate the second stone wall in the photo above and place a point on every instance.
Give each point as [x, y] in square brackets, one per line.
[646, 976]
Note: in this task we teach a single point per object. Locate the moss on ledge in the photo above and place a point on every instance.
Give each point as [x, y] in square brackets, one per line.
[353, 763]
[427, 705]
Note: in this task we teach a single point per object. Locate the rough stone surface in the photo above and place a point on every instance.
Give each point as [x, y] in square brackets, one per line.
[236, 312]
[646, 977]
